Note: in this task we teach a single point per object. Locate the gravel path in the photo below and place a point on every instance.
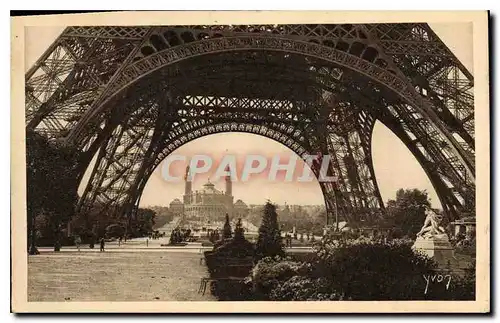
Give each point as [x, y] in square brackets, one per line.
[115, 276]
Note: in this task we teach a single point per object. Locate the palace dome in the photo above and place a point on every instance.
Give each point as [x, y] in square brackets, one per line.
[209, 188]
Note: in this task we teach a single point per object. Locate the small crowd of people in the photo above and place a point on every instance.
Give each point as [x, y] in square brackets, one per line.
[180, 235]
[102, 243]
[214, 235]
[156, 235]
[289, 237]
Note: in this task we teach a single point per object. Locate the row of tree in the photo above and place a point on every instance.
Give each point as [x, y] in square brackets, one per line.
[52, 184]
[404, 217]
[52, 178]
[269, 242]
[296, 217]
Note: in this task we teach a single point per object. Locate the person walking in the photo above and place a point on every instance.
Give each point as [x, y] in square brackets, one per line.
[102, 244]
[77, 242]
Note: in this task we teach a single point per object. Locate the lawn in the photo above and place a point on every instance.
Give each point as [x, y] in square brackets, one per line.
[115, 276]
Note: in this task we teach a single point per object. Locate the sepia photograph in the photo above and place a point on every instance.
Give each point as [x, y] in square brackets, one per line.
[280, 161]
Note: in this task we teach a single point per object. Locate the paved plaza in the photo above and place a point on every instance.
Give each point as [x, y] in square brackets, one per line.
[90, 275]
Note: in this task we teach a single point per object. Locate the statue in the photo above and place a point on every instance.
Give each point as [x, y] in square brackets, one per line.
[431, 225]
[433, 241]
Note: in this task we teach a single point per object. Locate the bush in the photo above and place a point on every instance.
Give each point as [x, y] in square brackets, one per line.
[269, 273]
[234, 248]
[466, 247]
[226, 231]
[300, 288]
[466, 243]
[364, 269]
[360, 269]
[464, 288]
[239, 252]
[227, 290]
[269, 243]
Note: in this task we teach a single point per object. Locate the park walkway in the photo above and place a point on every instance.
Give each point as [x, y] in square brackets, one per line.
[115, 276]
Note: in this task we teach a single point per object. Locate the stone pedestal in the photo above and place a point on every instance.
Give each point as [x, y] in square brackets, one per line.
[438, 248]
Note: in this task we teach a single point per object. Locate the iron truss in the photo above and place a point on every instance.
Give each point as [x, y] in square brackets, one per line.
[129, 96]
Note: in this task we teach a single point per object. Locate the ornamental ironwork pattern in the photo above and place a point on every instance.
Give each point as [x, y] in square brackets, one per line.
[130, 95]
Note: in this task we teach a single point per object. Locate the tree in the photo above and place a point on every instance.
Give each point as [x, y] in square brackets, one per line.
[115, 231]
[142, 223]
[269, 242]
[239, 231]
[163, 216]
[226, 231]
[237, 246]
[52, 184]
[94, 223]
[407, 211]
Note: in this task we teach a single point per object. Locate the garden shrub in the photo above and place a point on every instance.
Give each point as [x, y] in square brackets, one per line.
[237, 246]
[361, 269]
[302, 288]
[269, 242]
[227, 290]
[346, 269]
[238, 251]
[464, 288]
[364, 269]
[269, 273]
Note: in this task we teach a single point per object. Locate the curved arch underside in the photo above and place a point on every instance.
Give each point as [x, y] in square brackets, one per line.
[134, 94]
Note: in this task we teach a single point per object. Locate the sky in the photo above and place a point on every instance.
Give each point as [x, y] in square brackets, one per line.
[395, 167]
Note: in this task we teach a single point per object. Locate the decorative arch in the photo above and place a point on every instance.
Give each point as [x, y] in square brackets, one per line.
[377, 72]
[142, 67]
[190, 132]
[386, 77]
[276, 135]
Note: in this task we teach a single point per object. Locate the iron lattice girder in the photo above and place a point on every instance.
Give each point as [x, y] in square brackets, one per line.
[232, 78]
[220, 93]
[423, 142]
[421, 131]
[447, 195]
[356, 49]
[431, 67]
[395, 33]
[117, 164]
[180, 132]
[63, 84]
[393, 82]
[71, 86]
[184, 131]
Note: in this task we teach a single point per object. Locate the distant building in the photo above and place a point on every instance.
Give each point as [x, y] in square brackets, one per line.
[177, 207]
[209, 205]
[240, 209]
